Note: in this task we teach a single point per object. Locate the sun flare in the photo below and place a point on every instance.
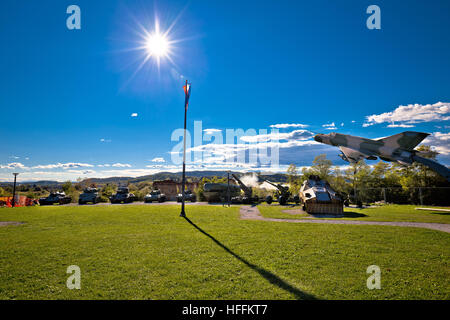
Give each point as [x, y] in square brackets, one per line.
[157, 45]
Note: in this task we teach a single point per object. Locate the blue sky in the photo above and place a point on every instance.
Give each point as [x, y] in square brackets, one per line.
[68, 95]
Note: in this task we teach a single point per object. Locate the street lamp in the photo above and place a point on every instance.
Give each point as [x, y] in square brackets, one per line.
[228, 189]
[13, 203]
[187, 93]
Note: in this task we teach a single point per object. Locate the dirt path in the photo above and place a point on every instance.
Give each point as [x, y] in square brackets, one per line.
[252, 213]
[9, 223]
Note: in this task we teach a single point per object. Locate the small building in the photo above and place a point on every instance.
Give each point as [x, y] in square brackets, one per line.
[171, 188]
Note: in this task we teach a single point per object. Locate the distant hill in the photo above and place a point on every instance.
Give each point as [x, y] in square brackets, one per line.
[276, 177]
[279, 177]
[40, 183]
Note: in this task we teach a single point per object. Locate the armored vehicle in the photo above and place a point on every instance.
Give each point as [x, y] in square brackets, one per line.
[188, 196]
[155, 195]
[218, 192]
[317, 196]
[55, 197]
[89, 195]
[123, 195]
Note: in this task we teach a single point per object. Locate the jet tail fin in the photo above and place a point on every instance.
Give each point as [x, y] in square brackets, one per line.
[439, 168]
[406, 140]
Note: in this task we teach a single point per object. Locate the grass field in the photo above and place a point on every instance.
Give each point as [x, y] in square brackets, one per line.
[149, 252]
[406, 213]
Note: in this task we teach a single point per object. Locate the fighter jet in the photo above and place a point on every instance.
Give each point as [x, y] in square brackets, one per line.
[397, 148]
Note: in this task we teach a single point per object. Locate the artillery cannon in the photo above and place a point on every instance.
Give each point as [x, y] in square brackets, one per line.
[283, 194]
[248, 197]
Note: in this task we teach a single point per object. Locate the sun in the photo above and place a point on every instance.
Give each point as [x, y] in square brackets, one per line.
[157, 45]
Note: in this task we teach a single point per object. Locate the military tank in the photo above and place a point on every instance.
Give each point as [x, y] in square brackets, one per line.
[55, 197]
[317, 197]
[89, 195]
[188, 196]
[123, 195]
[155, 195]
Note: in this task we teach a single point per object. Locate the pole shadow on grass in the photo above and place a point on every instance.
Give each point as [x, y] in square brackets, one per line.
[269, 276]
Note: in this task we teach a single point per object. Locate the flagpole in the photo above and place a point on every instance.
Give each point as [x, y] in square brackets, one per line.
[183, 181]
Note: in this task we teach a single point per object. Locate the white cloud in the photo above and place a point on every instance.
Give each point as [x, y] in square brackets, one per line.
[400, 125]
[412, 113]
[294, 135]
[330, 126]
[288, 125]
[133, 115]
[81, 171]
[211, 131]
[440, 142]
[68, 165]
[13, 165]
[121, 165]
[105, 140]
[160, 159]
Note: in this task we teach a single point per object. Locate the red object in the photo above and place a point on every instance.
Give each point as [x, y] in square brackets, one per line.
[187, 94]
[21, 201]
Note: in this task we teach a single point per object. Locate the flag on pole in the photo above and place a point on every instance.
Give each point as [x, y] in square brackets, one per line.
[187, 93]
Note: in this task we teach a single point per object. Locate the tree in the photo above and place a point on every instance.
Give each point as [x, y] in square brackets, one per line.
[4, 193]
[321, 167]
[293, 179]
[107, 191]
[67, 187]
[358, 175]
[339, 182]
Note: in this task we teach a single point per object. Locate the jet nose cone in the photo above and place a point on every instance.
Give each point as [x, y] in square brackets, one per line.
[318, 138]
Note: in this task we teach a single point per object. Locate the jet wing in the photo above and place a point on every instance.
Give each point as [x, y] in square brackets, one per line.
[351, 155]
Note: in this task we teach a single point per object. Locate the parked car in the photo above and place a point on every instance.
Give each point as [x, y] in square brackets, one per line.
[89, 195]
[155, 195]
[55, 197]
[123, 195]
[188, 196]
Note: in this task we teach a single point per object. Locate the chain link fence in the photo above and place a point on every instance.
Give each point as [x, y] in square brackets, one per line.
[437, 196]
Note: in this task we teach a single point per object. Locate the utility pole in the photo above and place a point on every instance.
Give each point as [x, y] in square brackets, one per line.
[187, 92]
[13, 203]
[228, 189]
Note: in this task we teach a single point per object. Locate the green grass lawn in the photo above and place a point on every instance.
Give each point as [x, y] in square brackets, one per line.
[149, 252]
[381, 213]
